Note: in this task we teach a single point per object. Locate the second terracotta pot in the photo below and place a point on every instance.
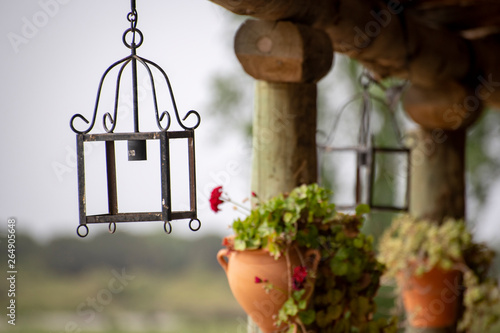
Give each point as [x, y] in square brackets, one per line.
[431, 299]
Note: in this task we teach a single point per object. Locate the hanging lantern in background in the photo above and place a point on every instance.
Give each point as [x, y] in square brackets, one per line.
[368, 155]
[133, 38]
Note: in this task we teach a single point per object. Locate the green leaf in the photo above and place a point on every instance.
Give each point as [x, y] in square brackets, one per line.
[342, 254]
[308, 316]
[334, 311]
[297, 294]
[358, 242]
[362, 209]
[287, 217]
[360, 306]
[335, 295]
[290, 308]
[240, 245]
[339, 268]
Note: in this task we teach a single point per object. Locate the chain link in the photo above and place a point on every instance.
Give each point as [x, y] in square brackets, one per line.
[133, 17]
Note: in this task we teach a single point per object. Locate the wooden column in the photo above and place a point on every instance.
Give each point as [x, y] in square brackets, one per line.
[287, 60]
[438, 155]
[438, 174]
[284, 137]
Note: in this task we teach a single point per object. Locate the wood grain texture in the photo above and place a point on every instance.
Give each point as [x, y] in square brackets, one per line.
[414, 40]
[438, 174]
[283, 51]
[300, 11]
[446, 106]
[284, 137]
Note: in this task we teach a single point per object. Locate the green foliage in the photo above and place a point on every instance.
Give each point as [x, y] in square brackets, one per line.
[275, 224]
[348, 274]
[421, 245]
[151, 253]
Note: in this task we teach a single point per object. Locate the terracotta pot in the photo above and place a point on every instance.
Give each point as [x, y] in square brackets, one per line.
[242, 267]
[431, 299]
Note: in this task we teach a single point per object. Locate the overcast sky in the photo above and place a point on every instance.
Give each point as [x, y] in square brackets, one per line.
[53, 55]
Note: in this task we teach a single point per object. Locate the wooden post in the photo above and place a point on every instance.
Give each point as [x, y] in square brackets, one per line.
[438, 174]
[287, 60]
[284, 137]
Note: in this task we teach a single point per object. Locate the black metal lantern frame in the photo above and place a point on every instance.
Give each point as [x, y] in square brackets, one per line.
[366, 153]
[136, 144]
[365, 158]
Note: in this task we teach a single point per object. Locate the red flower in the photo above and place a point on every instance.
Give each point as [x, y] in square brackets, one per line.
[299, 277]
[254, 195]
[215, 200]
[227, 241]
[258, 280]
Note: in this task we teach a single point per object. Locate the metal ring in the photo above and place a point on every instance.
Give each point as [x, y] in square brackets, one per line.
[86, 230]
[132, 16]
[191, 226]
[133, 30]
[112, 227]
[169, 229]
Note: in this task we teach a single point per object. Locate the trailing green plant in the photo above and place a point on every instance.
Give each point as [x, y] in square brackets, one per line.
[417, 246]
[348, 274]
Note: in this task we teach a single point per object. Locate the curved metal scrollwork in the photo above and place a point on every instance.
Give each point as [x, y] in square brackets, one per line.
[109, 121]
[96, 107]
[172, 98]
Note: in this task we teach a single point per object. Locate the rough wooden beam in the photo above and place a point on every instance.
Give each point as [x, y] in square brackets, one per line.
[459, 17]
[446, 105]
[390, 38]
[386, 39]
[283, 51]
[300, 11]
[487, 80]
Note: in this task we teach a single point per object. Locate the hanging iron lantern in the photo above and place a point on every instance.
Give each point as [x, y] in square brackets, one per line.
[132, 39]
[366, 157]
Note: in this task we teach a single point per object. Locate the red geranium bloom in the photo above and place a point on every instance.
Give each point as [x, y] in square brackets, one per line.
[299, 277]
[215, 200]
[259, 280]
